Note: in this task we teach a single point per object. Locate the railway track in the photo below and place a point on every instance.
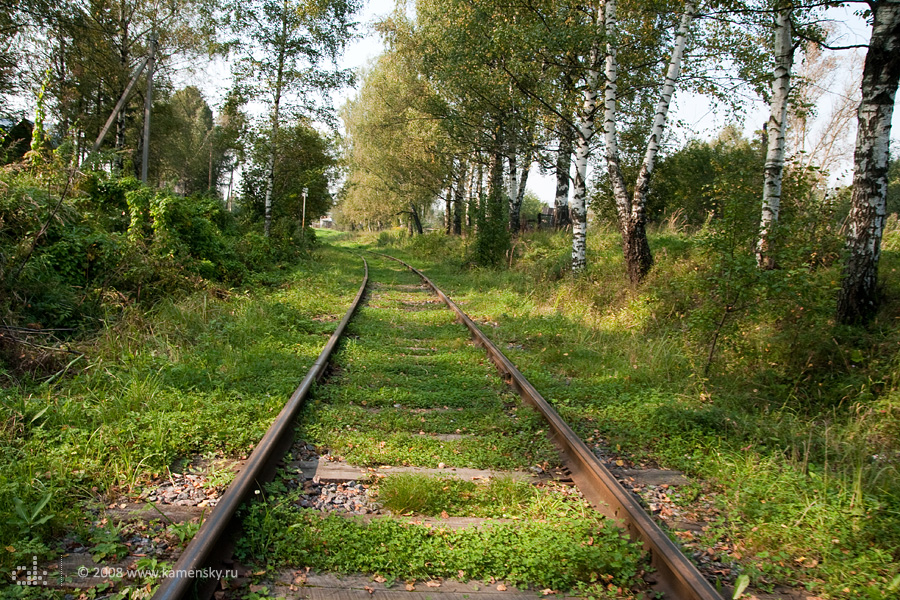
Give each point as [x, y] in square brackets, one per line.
[374, 437]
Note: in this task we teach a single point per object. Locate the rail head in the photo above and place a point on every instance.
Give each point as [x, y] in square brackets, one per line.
[193, 561]
[678, 577]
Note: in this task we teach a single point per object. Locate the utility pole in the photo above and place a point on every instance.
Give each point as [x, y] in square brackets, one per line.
[303, 220]
[148, 104]
[119, 105]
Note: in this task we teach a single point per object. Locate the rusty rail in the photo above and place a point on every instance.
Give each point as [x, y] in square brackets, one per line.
[210, 540]
[677, 577]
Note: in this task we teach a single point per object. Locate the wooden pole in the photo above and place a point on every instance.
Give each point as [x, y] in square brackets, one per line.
[119, 106]
[148, 105]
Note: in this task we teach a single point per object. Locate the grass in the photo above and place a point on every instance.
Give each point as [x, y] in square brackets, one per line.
[410, 376]
[200, 376]
[557, 554]
[793, 427]
[501, 497]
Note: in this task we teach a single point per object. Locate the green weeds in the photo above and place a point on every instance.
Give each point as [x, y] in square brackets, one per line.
[793, 421]
[198, 376]
[556, 553]
[412, 390]
[501, 497]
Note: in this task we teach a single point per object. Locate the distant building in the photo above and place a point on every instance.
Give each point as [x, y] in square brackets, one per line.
[325, 222]
[15, 139]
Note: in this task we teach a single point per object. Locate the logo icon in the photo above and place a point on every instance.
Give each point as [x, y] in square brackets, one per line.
[24, 576]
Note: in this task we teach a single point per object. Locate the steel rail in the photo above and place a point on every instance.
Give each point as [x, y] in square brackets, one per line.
[210, 538]
[677, 576]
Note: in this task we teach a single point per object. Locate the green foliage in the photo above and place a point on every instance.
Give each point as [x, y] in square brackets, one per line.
[184, 531]
[795, 430]
[397, 153]
[501, 497]
[381, 410]
[198, 375]
[113, 238]
[492, 238]
[106, 544]
[556, 553]
[694, 179]
[28, 518]
[304, 165]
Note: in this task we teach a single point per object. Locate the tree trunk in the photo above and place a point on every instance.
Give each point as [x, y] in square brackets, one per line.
[148, 107]
[122, 119]
[415, 218]
[857, 300]
[273, 150]
[610, 114]
[448, 210]
[563, 164]
[775, 129]
[459, 198]
[512, 186]
[475, 199]
[520, 193]
[230, 183]
[632, 215]
[578, 211]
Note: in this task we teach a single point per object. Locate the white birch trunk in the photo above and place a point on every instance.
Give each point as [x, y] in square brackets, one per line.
[512, 168]
[512, 187]
[776, 127]
[858, 298]
[563, 166]
[610, 116]
[642, 185]
[578, 210]
[523, 181]
[270, 168]
[632, 212]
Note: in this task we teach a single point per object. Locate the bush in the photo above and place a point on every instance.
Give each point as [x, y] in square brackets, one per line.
[116, 240]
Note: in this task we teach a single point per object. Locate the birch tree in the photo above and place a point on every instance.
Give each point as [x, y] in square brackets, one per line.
[563, 166]
[396, 151]
[284, 46]
[585, 133]
[631, 212]
[775, 128]
[857, 299]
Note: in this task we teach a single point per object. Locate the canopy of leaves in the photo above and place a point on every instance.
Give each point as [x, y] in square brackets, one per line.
[306, 162]
[398, 152]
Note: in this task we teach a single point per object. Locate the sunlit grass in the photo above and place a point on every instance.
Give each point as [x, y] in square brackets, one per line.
[411, 355]
[794, 422]
[195, 376]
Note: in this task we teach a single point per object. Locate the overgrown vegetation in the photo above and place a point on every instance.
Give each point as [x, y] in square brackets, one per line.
[72, 253]
[740, 377]
[200, 373]
[559, 553]
[501, 497]
[413, 390]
